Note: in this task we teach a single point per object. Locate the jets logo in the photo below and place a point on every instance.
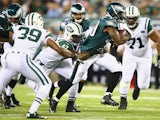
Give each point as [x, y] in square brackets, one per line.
[69, 29]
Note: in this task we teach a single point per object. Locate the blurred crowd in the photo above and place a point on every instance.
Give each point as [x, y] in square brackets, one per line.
[94, 8]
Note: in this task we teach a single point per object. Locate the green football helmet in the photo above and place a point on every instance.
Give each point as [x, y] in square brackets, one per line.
[116, 10]
[14, 13]
[78, 12]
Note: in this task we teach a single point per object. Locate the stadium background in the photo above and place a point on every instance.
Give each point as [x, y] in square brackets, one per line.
[54, 11]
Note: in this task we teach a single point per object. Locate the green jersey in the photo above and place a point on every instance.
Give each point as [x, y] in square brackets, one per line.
[65, 43]
[97, 38]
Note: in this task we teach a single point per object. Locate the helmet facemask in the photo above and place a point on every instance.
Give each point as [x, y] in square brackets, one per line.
[14, 13]
[77, 12]
[132, 16]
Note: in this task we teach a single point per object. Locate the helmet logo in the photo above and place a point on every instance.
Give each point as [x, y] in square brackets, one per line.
[69, 29]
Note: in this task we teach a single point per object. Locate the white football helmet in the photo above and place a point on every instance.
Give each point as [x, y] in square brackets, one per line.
[132, 16]
[77, 12]
[73, 31]
[34, 19]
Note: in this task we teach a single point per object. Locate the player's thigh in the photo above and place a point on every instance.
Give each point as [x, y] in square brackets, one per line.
[35, 72]
[6, 76]
[128, 67]
[144, 74]
[83, 68]
[109, 62]
[65, 68]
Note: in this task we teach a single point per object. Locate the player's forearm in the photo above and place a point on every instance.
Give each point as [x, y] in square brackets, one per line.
[62, 51]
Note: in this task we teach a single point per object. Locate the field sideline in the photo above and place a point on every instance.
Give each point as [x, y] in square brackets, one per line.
[147, 107]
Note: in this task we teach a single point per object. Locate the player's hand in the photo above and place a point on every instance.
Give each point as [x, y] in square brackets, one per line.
[84, 55]
[113, 49]
[101, 50]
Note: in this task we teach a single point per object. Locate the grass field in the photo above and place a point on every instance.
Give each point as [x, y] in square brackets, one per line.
[147, 107]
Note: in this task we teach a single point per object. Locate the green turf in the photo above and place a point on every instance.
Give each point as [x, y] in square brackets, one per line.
[147, 107]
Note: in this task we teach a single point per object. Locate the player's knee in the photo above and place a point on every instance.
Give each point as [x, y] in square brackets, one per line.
[143, 87]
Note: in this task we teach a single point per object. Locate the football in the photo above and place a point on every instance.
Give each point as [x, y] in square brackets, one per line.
[124, 33]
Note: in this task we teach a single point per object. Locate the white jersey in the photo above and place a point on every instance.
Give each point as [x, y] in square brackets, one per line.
[139, 44]
[29, 39]
[49, 57]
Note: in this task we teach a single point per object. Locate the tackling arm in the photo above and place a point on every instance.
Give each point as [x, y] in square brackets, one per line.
[114, 34]
[62, 51]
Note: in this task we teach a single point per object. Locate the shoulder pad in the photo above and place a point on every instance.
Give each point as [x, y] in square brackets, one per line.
[110, 22]
[64, 23]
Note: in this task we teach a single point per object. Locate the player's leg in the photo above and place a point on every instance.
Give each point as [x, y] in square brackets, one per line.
[113, 76]
[5, 78]
[136, 90]
[143, 77]
[128, 68]
[65, 85]
[71, 99]
[35, 72]
[74, 91]
[11, 100]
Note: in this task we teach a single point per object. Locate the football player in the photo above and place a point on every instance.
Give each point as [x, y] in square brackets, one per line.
[105, 29]
[137, 53]
[27, 39]
[77, 13]
[11, 16]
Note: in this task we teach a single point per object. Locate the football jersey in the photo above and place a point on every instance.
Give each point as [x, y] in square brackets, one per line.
[139, 43]
[97, 38]
[85, 24]
[29, 39]
[50, 57]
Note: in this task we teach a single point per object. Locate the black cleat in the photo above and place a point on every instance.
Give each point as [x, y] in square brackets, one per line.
[135, 93]
[123, 104]
[7, 103]
[15, 102]
[35, 115]
[71, 107]
[107, 99]
[52, 105]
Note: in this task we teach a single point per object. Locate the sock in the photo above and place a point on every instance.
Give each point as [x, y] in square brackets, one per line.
[81, 84]
[73, 92]
[51, 91]
[12, 83]
[35, 106]
[65, 85]
[9, 90]
[113, 79]
[42, 93]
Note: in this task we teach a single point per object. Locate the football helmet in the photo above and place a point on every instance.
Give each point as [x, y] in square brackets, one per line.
[14, 13]
[34, 19]
[132, 16]
[73, 31]
[116, 10]
[77, 12]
